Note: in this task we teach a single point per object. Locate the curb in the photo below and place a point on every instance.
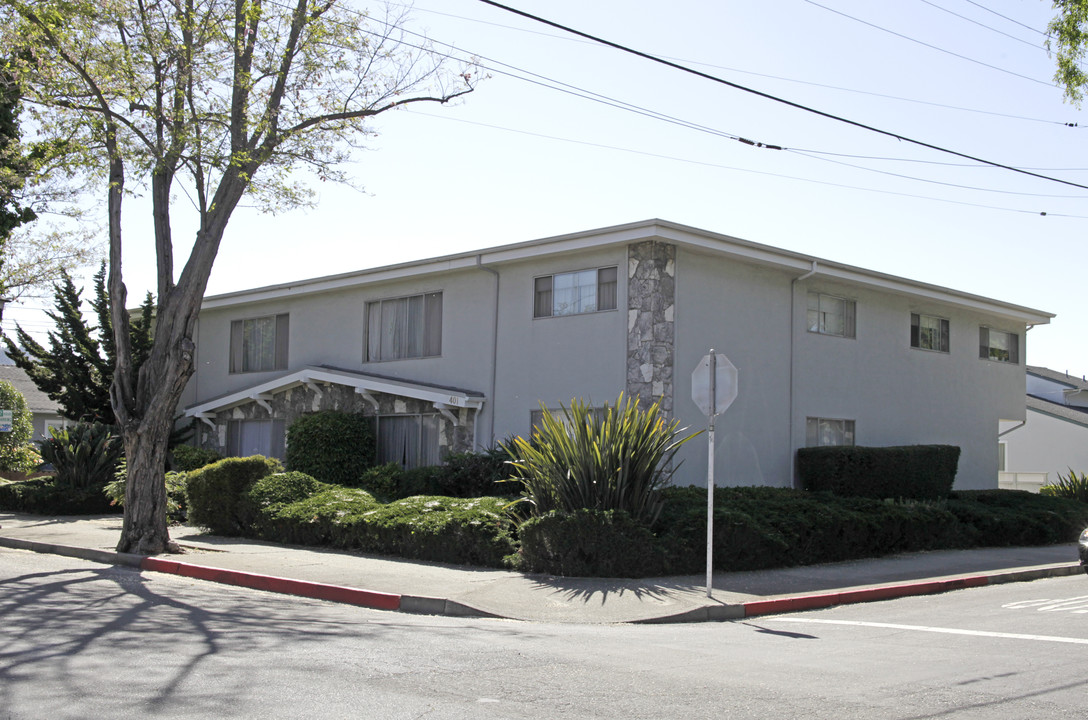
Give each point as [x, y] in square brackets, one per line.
[373, 599]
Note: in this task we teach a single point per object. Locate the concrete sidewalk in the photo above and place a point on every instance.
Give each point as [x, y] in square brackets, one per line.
[433, 588]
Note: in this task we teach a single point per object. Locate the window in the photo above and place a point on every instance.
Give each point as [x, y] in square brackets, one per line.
[998, 345]
[409, 440]
[257, 437]
[928, 332]
[406, 327]
[830, 315]
[536, 417]
[573, 293]
[259, 344]
[823, 431]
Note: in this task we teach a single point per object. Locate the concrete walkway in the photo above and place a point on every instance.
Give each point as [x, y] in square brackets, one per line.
[438, 589]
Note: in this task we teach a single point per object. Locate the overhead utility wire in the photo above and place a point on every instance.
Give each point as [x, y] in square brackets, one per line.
[790, 103]
[982, 25]
[719, 166]
[757, 74]
[1006, 17]
[925, 44]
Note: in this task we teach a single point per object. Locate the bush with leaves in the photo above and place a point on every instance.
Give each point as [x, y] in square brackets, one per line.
[17, 455]
[187, 457]
[218, 493]
[1068, 486]
[334, 447]
[43, 496]
[618, 459]
[85, 456]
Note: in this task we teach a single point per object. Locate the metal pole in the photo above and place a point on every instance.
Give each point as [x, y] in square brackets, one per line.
[710, 475]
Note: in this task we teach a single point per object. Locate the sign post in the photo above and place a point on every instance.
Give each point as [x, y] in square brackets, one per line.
[713, 388]
[6, 419]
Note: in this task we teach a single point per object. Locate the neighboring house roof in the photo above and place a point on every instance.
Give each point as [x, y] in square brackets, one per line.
[37, 401]
[620, 235]
[364, 383]
[1065, 412]
[1064, 378]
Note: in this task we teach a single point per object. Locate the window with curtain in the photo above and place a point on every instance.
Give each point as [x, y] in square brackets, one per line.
[998, 345]
[405, 327]
[928, 332]
[259, 344]
[574, 293]
[820, 432]
[830, 315]
[257, 437]
[411, 441]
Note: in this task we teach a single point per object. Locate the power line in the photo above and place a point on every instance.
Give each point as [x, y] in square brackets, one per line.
[925, 44]
[783, 101]
[982, 25]
[1005, 17]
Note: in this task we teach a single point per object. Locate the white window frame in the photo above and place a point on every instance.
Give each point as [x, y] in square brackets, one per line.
[921, 340]
[820, 432]
[271, 332]
[271, 437]
[403, 328]
[823, 309]
[576, 293]
[990, 342]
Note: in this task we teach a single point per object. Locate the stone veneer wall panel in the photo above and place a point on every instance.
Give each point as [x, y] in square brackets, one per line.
[651, 326]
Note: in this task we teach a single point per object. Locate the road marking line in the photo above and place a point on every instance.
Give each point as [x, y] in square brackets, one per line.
[924, 628]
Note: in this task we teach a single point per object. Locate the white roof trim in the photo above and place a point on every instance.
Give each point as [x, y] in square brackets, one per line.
[621, 235]
[363, 384]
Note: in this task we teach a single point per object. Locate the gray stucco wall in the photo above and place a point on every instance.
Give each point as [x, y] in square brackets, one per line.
[1047, 444]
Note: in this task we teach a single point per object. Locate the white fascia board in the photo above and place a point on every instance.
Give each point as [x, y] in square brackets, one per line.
[324, 375]
[619, 235]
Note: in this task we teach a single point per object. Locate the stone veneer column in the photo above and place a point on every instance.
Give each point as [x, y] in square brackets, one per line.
[651, 329]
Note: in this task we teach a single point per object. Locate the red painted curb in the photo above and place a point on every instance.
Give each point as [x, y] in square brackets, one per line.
[887, 592]
[286, 586]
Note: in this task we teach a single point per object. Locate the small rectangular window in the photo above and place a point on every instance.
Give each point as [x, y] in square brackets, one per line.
[259, 344]
[405, 327]
[411, 441]
[820, 432]
[928, 332]
[574, 293]
[257, 437]
[830, 315]
[998, 345]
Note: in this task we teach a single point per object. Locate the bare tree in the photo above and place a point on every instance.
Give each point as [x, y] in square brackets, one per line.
[221, 99]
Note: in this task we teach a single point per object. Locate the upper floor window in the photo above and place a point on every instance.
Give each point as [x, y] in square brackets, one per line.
[405, 327]
[998, 345]
[259, 344]
[572, 293]
[928, 332]
[820, 432]
[830, 315]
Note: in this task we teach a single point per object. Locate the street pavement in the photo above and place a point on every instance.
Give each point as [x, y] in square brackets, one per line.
[439, 589]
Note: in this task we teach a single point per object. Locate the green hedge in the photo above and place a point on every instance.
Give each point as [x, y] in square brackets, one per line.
[218, 493]
[600, 543]
[334, 447]
[43, 496]
[911, 472]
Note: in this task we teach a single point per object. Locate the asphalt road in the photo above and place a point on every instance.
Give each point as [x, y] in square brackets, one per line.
[82, 640]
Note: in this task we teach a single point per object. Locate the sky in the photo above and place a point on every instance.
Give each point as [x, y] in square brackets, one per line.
[521, 159]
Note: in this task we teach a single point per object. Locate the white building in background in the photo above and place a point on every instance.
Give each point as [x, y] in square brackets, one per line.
[1053, 438]
[457, 352]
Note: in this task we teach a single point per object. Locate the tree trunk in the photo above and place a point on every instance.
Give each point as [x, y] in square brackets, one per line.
[144, 531]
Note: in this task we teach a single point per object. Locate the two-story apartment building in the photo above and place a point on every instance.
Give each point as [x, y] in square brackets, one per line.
[458, 352]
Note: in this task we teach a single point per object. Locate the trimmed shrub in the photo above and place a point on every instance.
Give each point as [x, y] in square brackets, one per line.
[912, 472]
[478, 474]
[333, 447]
[383, 481]
[217, 493]
[465, 531]
[85, 455]
[42, 496]
[1068, 486]
[618, 459]
[17, 454]
[595, 543]
[187, 457]
[996, 518]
